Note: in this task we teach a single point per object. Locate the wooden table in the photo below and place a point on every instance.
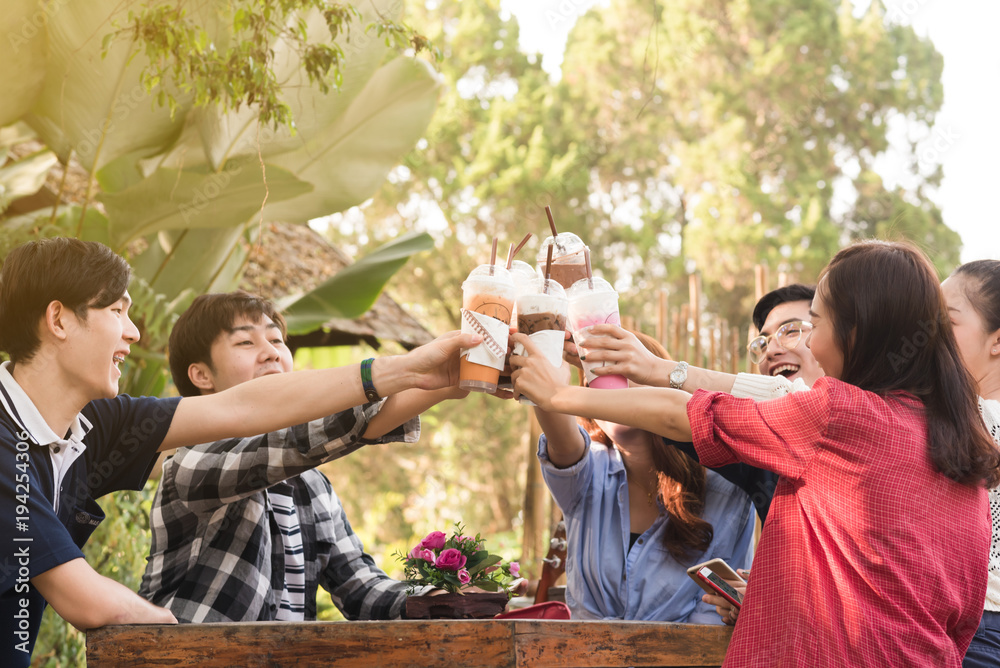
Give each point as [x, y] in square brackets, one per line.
[439, 643]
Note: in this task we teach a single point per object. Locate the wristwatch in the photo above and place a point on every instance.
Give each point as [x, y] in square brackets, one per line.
[679, 375]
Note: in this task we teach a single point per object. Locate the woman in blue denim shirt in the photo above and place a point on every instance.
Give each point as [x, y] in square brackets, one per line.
[638, 514]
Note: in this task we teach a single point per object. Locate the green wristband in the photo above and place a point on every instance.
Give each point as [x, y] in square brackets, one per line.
[366, 380]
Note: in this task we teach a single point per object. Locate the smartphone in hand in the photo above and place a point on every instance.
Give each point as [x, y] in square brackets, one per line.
[713, 584]
[712, 575]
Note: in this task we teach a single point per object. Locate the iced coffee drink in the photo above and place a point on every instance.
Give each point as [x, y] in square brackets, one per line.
[569, 262]
[487, 305]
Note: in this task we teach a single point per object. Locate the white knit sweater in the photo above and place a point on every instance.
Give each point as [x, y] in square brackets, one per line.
[762, 388]
[990, 408]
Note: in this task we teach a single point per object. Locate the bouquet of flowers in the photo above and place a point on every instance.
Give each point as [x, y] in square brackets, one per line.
[457, 562]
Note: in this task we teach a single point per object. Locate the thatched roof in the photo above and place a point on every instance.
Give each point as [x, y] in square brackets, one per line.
[294, 258]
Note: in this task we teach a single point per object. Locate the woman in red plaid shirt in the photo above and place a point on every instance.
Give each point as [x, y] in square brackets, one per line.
[875, 550]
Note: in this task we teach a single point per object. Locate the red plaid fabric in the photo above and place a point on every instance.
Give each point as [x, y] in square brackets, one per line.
[869, 556]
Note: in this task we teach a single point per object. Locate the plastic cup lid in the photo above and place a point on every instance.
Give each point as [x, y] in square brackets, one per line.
[523, 274]
[538, 286]
[582, 287]
[566, 243]
[499, 275]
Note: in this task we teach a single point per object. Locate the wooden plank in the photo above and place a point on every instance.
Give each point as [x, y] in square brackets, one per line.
[397, 644]
[536, 496]
[662, 320]
[613, 643]
[694, 299]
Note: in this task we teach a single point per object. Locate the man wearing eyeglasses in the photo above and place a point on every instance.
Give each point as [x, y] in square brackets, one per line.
[784, 360]
[782, 318]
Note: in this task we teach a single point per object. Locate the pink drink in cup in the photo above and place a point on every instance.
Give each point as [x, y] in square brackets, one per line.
[594, 302]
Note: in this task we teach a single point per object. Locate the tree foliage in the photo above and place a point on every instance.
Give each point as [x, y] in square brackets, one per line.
[702, 135]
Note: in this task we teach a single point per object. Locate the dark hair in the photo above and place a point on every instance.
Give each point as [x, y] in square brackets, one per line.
[682, 484]
[982, 289]
[78, 274]
[208, 316]
[796, 292]
[890, 321]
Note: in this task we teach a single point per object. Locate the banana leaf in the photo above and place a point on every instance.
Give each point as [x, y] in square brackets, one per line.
[353, 290]
[22, 52]
[192, 199]
[352, 156]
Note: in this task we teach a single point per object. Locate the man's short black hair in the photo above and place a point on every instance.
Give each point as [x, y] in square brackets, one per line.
[796, 292]
[79, 274]
[209, 316]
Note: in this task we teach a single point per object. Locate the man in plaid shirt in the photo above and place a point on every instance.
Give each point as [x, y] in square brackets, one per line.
[246, 529]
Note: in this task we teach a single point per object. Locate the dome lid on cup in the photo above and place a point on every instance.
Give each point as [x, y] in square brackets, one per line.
[565, 243]
[589, 285]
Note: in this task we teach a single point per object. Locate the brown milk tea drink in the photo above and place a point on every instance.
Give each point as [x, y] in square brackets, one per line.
[592, 301]
[524, 276]
[487, 306]
[569, 262]
[541, 314]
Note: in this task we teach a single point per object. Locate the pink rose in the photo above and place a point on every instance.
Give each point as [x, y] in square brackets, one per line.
[435, 540]
[464, 577]
[450, 560]
[515, 569]
[417, 553]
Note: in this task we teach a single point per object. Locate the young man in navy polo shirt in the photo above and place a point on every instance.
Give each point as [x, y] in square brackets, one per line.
[67, 438]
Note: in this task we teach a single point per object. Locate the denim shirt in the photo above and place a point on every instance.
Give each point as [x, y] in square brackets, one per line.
[606, 580]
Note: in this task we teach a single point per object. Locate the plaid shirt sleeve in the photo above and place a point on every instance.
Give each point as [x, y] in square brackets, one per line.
[781, 435]
[359, 588]
[211, 475]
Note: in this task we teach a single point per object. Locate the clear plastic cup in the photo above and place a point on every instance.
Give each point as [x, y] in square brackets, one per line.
[569, 261]
[524, 276]
[541, 314]
[594, 302]
[488, 297]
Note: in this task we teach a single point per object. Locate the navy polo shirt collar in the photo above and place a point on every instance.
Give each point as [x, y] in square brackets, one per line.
[31, 419]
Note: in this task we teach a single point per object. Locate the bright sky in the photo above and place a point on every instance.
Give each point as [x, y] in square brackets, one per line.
[966, 136]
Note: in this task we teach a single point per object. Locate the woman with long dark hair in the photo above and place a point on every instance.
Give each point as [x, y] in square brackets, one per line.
[638, 514]
[972, 293]
[875, 549]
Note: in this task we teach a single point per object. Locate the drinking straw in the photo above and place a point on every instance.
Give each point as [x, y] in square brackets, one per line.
[515, 250]
[590, 276]
[548, 272]
[552, 223]
[493, 255]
